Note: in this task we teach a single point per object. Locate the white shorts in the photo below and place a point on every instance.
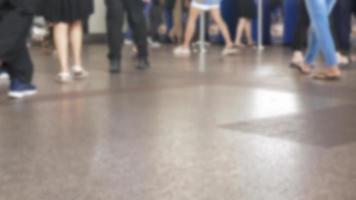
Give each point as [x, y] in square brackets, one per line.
[204, 7]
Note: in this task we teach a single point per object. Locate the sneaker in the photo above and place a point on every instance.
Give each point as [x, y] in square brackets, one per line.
[143, 64]
[229, 51]
[79, 72]
[19, 89]
[181, 51]
[153, 44]
[115, 66]
[64, 77]
[4, 75]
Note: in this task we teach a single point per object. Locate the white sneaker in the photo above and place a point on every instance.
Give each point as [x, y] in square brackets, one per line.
[64, 77]
[79, 72]
[229, 51]
[153, 44]
[181, 51]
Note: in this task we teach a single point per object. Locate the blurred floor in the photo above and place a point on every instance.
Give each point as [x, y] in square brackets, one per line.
[201, 128]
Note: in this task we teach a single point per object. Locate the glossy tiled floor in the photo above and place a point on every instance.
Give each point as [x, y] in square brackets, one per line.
[201, 128]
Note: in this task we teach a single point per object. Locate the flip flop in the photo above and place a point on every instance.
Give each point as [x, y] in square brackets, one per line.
[298, 67]
[324, 77]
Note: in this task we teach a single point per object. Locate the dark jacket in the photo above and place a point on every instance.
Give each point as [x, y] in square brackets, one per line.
[26, 6]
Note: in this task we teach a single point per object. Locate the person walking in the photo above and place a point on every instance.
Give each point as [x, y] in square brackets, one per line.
[321, 40]
[67, 17]
[137, 22]
[198, 6]
[16, 18]
[247, 12]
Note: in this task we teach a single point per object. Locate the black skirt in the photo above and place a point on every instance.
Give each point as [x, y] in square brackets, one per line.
[66, 10]
[247, 9]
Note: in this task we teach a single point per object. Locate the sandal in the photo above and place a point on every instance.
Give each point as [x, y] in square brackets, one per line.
[326, 77]
[229, 51]
[300, 68]
[240, 46]
[79, 72]
[64, 77]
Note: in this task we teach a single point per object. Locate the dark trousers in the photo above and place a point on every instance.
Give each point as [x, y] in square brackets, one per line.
[115, 21]
[341, 23]
[301, 32]
[155, 21]
[14, 29]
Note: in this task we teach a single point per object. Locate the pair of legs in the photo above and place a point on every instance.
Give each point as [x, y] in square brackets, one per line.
[301, 35]
[115, 21]
[66, 35]
[321, 39]
[341, 18]
[16, 60]
[191, 26]
[244, 28]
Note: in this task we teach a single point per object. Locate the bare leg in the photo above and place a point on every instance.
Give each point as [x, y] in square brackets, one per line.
[61, 42]
[240, 32]
[216, 14]
[76, 40]
[248, 31]
[191, 26]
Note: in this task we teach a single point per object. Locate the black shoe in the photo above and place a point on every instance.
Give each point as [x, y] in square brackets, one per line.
[115, 66]
[143, 64]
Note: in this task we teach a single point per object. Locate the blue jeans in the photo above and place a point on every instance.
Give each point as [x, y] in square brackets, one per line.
[320, 38]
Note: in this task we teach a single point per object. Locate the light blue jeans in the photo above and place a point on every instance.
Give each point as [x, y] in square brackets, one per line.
[320, 38]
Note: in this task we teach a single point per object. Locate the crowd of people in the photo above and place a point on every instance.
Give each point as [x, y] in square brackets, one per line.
[66, 17]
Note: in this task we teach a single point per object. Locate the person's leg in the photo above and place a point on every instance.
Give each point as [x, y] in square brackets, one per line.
[14, 28]
[341, 25]
[76, 41]
[240, 32]
[114, 23]
[216, 14]
[21, 66]
[156, 21]
[300, 35]
[191, 26]
[176, 33]
[319, 11]
[61, 41]
[138, 24]
[248, 31]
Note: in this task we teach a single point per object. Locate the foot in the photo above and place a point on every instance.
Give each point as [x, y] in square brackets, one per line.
[182, 51]
[4, 75]
[301, 67]
[342, 60]
[239, 45]
[20, 89]
[229, 51]
[251, 44]
[115, 66]
[79, 72]
[154, 44]
[143, 64]
[331, 74]
[64, 77]
[297, 57]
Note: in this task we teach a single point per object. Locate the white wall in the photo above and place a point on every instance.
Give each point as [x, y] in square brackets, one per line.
[97, 20]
